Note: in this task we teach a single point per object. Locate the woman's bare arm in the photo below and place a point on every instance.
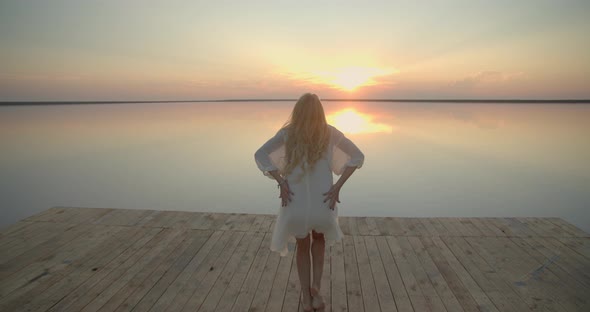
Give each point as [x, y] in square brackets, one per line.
[333, 195]
[284, 185]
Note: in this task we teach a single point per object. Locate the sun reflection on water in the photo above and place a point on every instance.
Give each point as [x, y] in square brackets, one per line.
[351, 121]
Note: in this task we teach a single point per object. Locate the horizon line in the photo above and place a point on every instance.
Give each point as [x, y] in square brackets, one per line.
[505, 101]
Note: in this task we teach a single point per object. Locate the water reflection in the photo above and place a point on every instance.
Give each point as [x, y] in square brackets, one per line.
[422, 159]
[349, 120]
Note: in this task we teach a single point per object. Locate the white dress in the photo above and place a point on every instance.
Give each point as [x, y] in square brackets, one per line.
[307, 210]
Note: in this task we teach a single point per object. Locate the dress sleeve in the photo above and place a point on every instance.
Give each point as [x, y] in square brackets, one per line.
[344, 153]
[271, 155]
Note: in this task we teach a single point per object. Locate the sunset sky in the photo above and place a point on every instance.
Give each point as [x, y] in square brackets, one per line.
[175, 50]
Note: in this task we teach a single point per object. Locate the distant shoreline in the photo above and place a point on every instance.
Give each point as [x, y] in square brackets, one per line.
[497, 101]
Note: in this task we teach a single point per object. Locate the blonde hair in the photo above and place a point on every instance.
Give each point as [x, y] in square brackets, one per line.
[307, 133]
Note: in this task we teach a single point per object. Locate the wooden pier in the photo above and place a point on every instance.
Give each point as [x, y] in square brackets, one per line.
[89, 259]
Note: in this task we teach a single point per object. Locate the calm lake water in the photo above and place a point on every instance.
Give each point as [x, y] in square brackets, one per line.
[422, 159]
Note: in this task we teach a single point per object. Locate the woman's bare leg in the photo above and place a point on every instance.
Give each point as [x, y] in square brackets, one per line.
[318, 247]
[304, 268]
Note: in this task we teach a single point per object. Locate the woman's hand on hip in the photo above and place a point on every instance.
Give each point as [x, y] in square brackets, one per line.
[333, 196]
[285, 193]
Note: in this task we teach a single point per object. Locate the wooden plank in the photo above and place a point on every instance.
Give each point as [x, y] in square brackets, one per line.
[127, 217]
[486, 276]
[228, 298]
[150, 219]
[88, 215]
[353, 226]
[369, 293]
[470, 228]
[532, 226]
[220, 220]
[396, 285]
[195, 241]
[580, 245]
[484, 228]
[353, 284]
[203, 222]
[440, 228]
[59, 284]
[292, 301]
[153, 261]
[175, 219]
[438, 281]
[198, 275]
[513, 268]
[435, 259]
[187, 273]
[207, 282]
[261, 297]
[460, 228]
[56, 214]
[69, 293]
[266, 225]
[29, 239]
[395, 226]
[255, 226]
[450, 227]
[568, 227]
[433, 300]
[560, 279]
[246, 221]
[383, 226]
[442, 254]
[382, 288]
[48, 247]
[338, 279]
[41, 216]
[246, 294]
[372, 225]
[517, 227]
[279, 285]
[97, 290]
[55, 261]
[419, 227]
[344, 225]
[128, 297]
[408, 226]
[363, 228]
[570, 261]
[13, 229]
[194, 219]
[34, 233]
[430, 229]
[226, 275]
[136, 273]
[414, 291]
[495, 223]
[230, 220]
[550, 228]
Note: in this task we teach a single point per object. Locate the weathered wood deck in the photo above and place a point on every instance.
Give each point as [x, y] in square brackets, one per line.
[79, 259]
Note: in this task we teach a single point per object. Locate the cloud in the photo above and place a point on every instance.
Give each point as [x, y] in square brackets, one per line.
[22, 77]
[486, 78]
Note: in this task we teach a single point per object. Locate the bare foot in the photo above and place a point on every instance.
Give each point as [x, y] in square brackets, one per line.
[317, 300]
[306, 301]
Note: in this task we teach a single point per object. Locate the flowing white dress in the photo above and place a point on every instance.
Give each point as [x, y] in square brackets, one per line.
[307, 210]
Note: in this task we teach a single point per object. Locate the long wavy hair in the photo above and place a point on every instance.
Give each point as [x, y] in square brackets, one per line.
[307, 133]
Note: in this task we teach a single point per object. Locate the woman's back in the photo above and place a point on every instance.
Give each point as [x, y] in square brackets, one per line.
[301, 158]
[308, 209]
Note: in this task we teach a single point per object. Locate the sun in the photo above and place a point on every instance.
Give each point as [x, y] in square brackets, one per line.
[351, 78]
[350, 121]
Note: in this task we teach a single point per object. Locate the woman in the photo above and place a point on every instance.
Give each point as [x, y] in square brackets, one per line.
[301, 158]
